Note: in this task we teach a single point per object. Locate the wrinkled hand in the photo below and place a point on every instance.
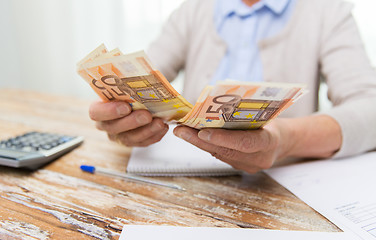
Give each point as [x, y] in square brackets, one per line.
[127, 127]
[250, 151]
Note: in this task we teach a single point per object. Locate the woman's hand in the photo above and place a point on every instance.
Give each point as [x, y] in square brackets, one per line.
[250, 151]
[317, 136]
[127, 127]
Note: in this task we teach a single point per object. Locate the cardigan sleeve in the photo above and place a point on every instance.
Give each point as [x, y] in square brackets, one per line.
[351, 80]
[169, 50]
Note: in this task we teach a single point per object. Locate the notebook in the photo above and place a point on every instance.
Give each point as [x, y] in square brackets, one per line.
[173, 156]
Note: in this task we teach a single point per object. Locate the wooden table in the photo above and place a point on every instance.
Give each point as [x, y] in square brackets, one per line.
[60, 201]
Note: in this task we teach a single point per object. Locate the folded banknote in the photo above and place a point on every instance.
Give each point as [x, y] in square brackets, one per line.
[229, 104]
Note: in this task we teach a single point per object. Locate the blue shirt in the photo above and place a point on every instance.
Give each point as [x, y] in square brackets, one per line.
[242, 27]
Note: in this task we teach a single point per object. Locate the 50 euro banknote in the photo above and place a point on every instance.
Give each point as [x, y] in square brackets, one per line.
[132, 78]
[229, 104]
[241, 105]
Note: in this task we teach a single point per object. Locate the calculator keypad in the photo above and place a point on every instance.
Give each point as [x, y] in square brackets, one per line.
[35, 141]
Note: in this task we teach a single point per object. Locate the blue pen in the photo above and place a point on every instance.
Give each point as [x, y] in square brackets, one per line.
[92, 169]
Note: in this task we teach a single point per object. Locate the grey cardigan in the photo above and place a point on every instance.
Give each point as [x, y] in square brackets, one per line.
[320, 40]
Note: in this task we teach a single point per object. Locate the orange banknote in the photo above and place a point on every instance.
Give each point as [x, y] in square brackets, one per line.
[229, 104]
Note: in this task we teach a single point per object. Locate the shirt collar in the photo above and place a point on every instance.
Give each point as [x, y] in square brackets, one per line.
[230, 7]
[277, 6]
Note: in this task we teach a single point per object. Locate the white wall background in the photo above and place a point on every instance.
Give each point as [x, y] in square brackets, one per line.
[364, 13]
[42, 40]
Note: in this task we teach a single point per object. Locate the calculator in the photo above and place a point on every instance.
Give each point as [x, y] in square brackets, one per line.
[34, 149]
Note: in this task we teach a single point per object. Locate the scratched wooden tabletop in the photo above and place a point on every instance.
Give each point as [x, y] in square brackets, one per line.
[59, 201]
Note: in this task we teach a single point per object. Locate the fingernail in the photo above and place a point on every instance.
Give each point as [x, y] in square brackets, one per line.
[122, 109]
[205, 135]
[184, 135]
[157, 127]
[142, 119]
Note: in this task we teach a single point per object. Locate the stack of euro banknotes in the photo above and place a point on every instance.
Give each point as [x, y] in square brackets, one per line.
[229, 104]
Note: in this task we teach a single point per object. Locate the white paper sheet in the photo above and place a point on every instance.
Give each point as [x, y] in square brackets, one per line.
[173, 156]
[342, 190]
[141, 232]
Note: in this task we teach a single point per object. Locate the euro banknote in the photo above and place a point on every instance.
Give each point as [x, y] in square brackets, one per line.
[230, 104]
[133, 78]
[241, 105]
